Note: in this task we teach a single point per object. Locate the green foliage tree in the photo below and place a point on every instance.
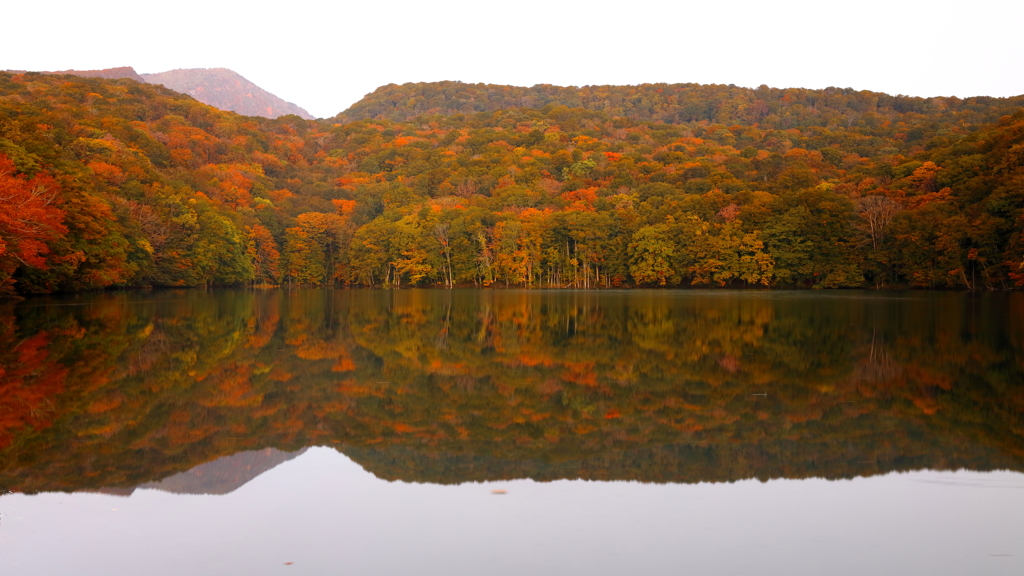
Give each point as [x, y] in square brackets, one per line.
[652, 252]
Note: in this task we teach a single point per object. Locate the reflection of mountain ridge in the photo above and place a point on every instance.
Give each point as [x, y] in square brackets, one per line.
[445, 386]
[679, 464]
[224, 475]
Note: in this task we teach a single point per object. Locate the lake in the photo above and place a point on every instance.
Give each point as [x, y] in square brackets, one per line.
[512, 432]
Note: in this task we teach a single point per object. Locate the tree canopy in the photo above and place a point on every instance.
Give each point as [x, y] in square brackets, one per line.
[448, 184]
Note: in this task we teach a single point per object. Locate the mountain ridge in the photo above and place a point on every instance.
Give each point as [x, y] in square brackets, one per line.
[225, 474]
[227, 90]
[659, 102]
[218, 87]
[107, 73]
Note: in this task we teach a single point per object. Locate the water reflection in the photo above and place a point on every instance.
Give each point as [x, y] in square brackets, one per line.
[116, 391]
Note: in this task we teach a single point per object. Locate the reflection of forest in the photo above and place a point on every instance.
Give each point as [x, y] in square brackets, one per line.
[439, 386]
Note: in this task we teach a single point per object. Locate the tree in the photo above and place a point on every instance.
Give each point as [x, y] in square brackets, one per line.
[305, 262]
[875, 212]
[263, 251]
[790, 249]
[314, 249]
[28, 221]
[651, 254]
[219, 255]
[371, 253]
[730, 254]
[441, 231]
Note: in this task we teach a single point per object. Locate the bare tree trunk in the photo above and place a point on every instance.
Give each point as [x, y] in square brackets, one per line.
[441, 233]
[967, 282]
[876, 212]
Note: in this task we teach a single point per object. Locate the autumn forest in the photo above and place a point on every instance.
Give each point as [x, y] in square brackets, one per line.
[113, 183]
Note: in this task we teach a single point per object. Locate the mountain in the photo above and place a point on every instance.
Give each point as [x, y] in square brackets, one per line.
[108, 73]
[224, 475]
[227, 90]
[218, 87]
[778, 108]
[218, 477]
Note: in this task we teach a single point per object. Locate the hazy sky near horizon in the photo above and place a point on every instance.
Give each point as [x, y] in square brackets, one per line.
[324, 56]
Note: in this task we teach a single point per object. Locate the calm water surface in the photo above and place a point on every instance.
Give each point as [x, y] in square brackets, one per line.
[512, 432]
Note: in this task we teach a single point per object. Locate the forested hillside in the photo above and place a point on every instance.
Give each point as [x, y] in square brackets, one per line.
[116, 183]
[861, 110]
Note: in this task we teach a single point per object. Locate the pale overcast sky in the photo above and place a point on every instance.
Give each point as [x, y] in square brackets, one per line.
[324, 56]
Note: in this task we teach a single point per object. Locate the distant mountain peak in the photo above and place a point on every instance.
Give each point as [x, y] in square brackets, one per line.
[108, 73]
[227, 90]
[223, 475]
[218, 87]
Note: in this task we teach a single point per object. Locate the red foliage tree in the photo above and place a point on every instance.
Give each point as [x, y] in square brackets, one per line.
[28, 220]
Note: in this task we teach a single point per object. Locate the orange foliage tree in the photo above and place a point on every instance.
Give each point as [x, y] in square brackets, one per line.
[29, 219]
